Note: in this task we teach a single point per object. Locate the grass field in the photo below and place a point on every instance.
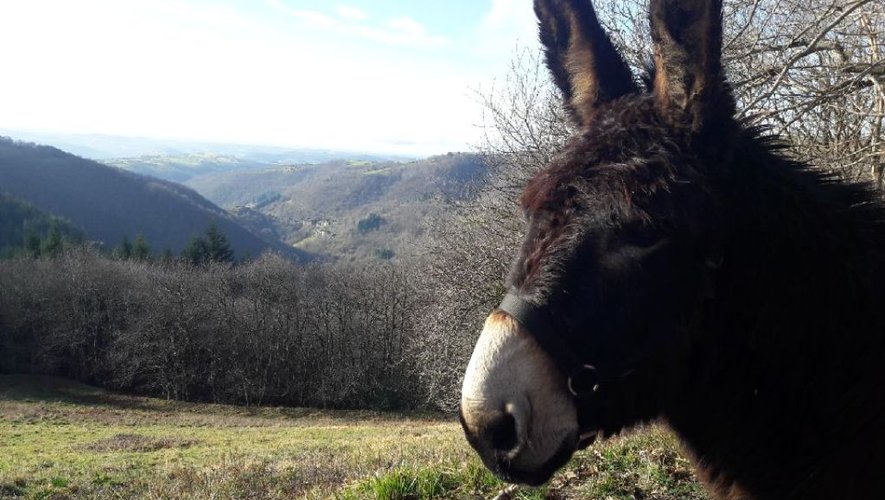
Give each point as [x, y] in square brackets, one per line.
[60, 439]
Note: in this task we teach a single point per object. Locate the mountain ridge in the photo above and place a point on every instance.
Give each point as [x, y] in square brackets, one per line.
[110, 203]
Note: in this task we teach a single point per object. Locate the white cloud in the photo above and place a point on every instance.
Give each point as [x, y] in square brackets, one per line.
[407, 26]
[407, 30]
[505, 25]
[352, 13]
[397, 31]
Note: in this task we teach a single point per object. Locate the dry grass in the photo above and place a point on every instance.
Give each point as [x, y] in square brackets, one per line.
[135, 442]
[65, 440]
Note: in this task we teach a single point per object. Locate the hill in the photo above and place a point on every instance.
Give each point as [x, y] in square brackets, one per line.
[23, 225]
[349, 209]
[109, 204]
[180, 168]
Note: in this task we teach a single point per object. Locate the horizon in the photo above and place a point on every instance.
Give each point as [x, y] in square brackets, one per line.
[79, 143]
[383, 77]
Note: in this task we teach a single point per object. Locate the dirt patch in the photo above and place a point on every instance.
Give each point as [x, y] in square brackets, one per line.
[139, 443]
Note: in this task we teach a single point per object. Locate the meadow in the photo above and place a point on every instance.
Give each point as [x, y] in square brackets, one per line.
[60, 439]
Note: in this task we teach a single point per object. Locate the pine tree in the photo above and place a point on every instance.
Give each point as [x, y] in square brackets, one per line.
[53, 244]
[141, 250]
[197, 251]
[124, 251]
[218, 246]
[214, 247]
[32, 244]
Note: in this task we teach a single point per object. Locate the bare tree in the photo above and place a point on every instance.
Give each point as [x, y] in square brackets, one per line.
[471, 246]
[269, 331]
[810, 70]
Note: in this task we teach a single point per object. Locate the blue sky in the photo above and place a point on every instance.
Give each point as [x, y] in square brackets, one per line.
[380, 75]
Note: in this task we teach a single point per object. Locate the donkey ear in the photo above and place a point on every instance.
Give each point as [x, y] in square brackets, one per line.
[584, 63]
[687, 36]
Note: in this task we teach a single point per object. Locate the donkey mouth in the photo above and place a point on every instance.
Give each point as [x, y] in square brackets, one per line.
[513, 474]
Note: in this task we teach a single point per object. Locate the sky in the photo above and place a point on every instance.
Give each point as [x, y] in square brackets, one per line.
[387, 76]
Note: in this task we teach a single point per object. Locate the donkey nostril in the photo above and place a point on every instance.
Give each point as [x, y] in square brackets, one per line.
[502, 433]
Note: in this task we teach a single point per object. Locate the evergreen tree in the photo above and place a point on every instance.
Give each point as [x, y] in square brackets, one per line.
[197, 251]
[140, 249]
[32, 244]
[218, 247]
[124, 251]
[212, 247]
[53, 243]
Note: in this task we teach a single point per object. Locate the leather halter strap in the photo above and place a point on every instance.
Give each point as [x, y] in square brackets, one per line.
[583, 379]
[529, 316]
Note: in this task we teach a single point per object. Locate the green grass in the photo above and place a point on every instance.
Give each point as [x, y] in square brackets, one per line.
[64, 440]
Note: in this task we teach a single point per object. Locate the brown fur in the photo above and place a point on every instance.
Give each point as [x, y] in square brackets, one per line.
[739, 292]
[577, 56]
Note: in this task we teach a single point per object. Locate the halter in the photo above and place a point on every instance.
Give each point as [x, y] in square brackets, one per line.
[587, 379]
[584, 379]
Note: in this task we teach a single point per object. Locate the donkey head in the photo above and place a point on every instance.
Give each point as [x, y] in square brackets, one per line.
[595, 331]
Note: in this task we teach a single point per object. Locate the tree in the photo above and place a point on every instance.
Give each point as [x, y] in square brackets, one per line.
[124, 251]
[810, 70]
[213, 246]
[264, 332]
[470, 247]
[371, 223]
[53, 243]
[140, 249]
[219, 249]
[197, 251]
[32, 244]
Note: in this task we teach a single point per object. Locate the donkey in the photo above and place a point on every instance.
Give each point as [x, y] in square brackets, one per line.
[678, 267]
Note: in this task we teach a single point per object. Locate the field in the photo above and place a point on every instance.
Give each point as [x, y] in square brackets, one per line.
[60, 439]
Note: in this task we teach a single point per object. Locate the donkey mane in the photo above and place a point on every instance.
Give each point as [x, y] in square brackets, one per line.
[627, 130]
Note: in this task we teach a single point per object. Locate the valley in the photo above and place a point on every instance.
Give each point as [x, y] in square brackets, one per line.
[346, 209]
[305, 204]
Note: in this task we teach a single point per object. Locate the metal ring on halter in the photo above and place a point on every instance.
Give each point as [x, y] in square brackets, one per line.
[571, 388]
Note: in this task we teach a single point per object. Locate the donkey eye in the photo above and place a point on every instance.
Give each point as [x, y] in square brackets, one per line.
[639, 235]
[627, 256]
[644, 247]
